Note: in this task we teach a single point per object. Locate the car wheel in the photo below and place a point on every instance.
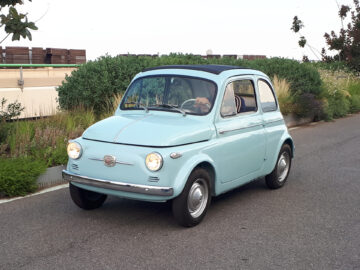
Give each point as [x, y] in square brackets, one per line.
[278, 177]
[86, 199]
[190, 207]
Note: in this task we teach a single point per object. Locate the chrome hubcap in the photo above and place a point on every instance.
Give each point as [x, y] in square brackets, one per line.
[283, 166]
[198, 197]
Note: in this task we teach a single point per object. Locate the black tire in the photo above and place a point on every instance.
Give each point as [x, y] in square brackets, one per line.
[86, 199]
[189, 213]
[277, 178]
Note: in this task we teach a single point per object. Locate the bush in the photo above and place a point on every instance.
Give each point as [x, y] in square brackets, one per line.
[95, 83]
[355, 104]
[309, 106]
[18, 176]
[10, 111]
[45, 138]
[338, 105]
[341, 91]
[354, 91]
[303, 78]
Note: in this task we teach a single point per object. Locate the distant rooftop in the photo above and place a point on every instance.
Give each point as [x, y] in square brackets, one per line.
[215, 69]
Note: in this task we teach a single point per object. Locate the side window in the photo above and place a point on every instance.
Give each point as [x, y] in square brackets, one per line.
[267, 99]
[245, 100]
[228, 106]
[239, 97]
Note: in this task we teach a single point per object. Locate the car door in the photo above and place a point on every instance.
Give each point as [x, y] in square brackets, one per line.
[240, 131]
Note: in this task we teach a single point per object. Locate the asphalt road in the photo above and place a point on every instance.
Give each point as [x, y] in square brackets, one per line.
[311, 223]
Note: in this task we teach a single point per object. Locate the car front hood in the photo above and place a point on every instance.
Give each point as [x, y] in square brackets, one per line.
[149, 130]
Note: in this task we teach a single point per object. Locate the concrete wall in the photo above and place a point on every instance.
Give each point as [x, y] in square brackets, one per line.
[38, 93]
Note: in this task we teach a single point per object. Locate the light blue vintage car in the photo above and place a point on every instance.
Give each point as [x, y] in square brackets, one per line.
[183, 133]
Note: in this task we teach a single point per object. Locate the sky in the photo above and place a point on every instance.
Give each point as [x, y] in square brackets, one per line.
[186, 26]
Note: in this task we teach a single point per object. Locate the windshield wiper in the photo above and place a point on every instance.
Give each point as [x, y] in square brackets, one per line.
[172, 107]
[144, 107]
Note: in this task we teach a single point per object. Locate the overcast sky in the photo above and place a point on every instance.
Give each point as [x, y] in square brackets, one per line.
[164, 26]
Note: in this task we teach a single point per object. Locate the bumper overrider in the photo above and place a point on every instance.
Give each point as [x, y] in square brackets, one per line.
[119, 186]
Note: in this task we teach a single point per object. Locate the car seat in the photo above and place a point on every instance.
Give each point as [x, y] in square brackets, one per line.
[240, 104]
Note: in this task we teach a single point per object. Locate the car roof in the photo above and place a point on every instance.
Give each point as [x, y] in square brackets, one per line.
[214, 69]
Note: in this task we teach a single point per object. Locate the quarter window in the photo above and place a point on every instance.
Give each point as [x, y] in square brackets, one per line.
[267, 98]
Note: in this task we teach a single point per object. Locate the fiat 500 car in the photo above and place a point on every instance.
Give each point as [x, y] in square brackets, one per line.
[183, 134]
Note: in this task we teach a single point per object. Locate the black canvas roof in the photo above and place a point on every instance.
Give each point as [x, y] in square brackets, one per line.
[215, 69]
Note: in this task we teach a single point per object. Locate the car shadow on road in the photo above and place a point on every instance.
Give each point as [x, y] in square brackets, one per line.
[120, 212]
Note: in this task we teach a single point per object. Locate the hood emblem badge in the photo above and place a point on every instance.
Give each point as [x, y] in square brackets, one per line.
[109, 160]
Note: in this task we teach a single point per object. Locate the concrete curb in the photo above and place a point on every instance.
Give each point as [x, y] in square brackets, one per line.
[291, 120]
[51, 177]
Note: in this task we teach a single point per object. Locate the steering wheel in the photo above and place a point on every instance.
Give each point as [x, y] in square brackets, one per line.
[193, 100]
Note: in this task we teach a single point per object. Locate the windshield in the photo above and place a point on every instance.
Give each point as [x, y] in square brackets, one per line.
[179, 94]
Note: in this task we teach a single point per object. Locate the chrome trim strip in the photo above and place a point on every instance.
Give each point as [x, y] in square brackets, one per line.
[235, 129]
[273, 121]
[120, 186]
[118, 162]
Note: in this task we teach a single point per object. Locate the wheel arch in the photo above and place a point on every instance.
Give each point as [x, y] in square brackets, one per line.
[286, 139]
[211, 170]
[290, 142]
[198, 161]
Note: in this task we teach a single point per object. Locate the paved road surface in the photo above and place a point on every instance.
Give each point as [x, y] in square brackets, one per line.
[311, 223]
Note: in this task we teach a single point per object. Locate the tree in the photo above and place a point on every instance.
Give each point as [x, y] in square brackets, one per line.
[297, 25]
[15, 23]
[347, 42]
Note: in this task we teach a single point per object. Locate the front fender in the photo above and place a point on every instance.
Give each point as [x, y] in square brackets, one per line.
[187, 168]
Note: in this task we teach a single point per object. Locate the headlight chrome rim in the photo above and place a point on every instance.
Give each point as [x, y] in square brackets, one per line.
[154, 155]
[71, 147]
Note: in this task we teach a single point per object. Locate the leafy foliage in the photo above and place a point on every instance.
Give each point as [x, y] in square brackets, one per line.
[94, 84]
[297, 24]
[16, 23]
[347, 42]
[18, 176]
[12, 110]
[341, 93]
[45, 138]
[302, 42]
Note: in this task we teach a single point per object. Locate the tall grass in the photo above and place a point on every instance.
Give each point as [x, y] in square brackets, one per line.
[342, 93]
[282, 89]
[46, 138]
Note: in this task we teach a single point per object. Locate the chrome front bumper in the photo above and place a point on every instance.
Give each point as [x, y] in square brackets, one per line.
[120, 186]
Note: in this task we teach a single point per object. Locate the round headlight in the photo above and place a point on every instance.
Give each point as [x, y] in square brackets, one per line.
[74, 150]
[154, 161]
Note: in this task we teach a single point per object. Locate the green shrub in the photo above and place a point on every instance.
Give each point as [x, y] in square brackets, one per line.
[308, 105]
[45, 138]
[10, 111]
[338, 105]
[331, 66]
[355, 103]
[354, 91]
[354, 88]
[94, 84]
[18, 175]
[303, 78]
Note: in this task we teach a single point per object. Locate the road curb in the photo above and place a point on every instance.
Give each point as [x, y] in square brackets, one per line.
[291, 120]
[51, 177]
